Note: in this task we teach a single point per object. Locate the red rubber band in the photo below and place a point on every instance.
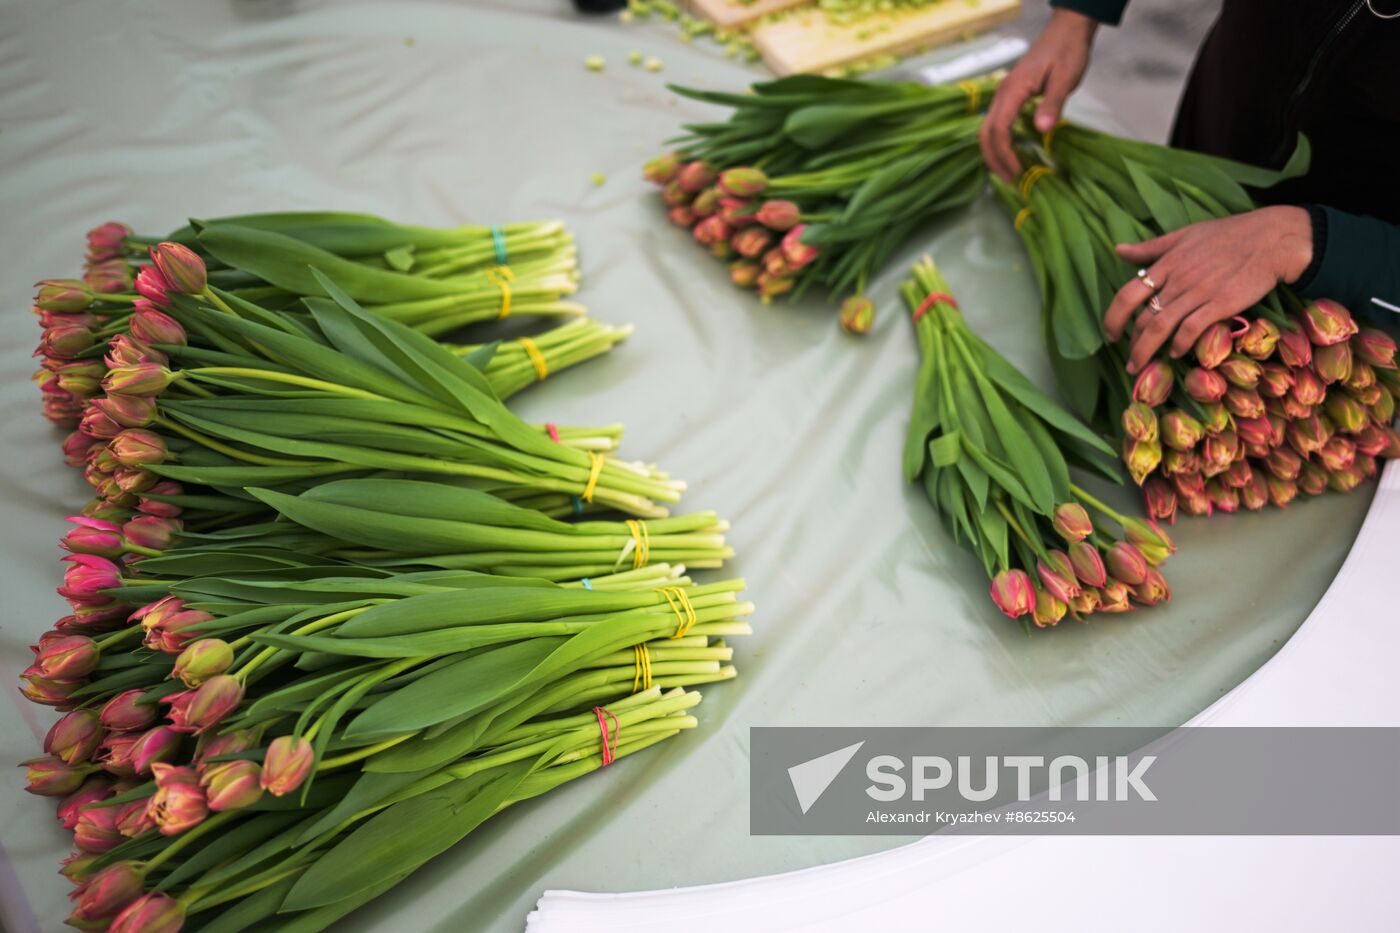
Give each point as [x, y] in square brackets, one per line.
[553, 431]
[932, 299]
[609, 736]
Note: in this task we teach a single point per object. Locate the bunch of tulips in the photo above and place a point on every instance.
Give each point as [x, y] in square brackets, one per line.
[1290, 397]
[993, 454]
[821, 180]
[326, 617]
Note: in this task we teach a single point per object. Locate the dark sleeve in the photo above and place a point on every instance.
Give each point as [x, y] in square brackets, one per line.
[1105, 11]
[1356, 260]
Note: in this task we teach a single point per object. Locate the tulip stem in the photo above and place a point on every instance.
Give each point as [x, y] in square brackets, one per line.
[209, 296]
[290, 378]
[118, 636]
[143, 551]
[212, 822]
[307, 629]
[1102, 507]
[361, 753]
[237, 454]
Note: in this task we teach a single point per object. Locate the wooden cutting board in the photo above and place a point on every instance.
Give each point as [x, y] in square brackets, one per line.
[727, 14]
[807, 41]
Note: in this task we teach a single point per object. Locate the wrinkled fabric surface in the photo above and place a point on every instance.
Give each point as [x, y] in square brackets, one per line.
[442, 113]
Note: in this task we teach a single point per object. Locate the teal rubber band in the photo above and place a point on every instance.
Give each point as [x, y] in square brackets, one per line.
[578, 506]
[587, 583]
[499, 239]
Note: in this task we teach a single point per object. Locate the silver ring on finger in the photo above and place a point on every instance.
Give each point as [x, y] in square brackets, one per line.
[1147, 279]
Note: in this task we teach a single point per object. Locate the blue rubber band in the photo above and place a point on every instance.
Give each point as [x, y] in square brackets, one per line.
[578, 506]
[587, 583]
[499, 238]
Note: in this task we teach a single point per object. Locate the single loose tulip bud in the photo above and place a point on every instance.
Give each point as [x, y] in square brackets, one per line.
[94, 789]
[1312, 480]
[137, 447]
[232, 785]
[1179, 430]
[744, 273]
[62, 295]
[1241, 371]
[152, 285]
[1057, 576]
[126, 712]
[1327, 323]
[1153, 590]
[857, 315]
[153, 913]
[1159, 498]
[1048, 610]
[181, 267]
[203, 708]
[158, 744]
[225, 743]
[1375, 347]
[105, 895]
[706, 203]
[202, 660]
[1214, 345]
[96, 830]
[1140, 422]
[178, 803]
[662, 169]
[71, 657]
[289, 760]
[695, 177]
[779, 215]
[798, 253]
[1126, 563]
[1333, 362]
[1013, 594]
[1205, 385]
[743, 182]
[1141, 458]
[1071, 522]
[1087, 563]
[750, 242]
[1244, 403]
[1154, 384]
[50, 776]
[134, 818]
[75, 737]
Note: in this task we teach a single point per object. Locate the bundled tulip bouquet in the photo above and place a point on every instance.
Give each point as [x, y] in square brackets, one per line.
[993, 454]
[1291, 397]
[820, 180]
[326, 614]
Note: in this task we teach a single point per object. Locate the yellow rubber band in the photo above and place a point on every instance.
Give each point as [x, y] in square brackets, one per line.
[536, 357]
[680, 604]
[594, 470]
[973, 90]
[1021, 216]
[501, 277]
[1033, 174]
[1049, 138]
[642, 659]
[641, 541]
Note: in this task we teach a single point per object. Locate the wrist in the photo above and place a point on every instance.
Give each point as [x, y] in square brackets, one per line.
[1072, 24]
[1293, 228]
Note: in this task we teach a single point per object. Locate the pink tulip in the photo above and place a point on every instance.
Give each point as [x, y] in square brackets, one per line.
[1327, 323]
[152, 913]
[288, 762]
[798, 253]
[93, 790]
[1057, 576]
[181, 267]
[1214, 345]
[1126, 563]
[134, 818]
[69, 657]
[96, 830]
[200, 660]
[137, 379]
[662, 169]
[152, 285]
[202, 709]
[232, 785]
[1072, 522]
[1013, 593]
[178, 804]
[105, 895]
[125, 712]
[158, 744]
[1154, 384]
[1087, 563]
[779, 215]
[75, 737]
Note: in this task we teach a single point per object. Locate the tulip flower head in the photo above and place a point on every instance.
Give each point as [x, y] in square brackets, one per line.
[1154, 384]
[158, 744]
[1214, 345]
[203, 708]
[1071, 521]
[75, 737]
[200, 660]
[857, 314]
[1013, 593]
[151, 913]
[94, 789]
[743, 182]
[50, 776]
[232, 785]
[181, 267]
[105, 895]
[127, 712]
[286, 764]
[96, 830]
[1327, 323]
[178, 803]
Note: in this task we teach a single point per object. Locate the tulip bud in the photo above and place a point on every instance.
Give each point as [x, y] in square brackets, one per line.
[771, 286]
[743, 273]
[737, 212]
[1241, 371]
[62, 295]
[1150, 538]
[776, 264]
[1159, 498]
[108, 276]
[225, 743]
[1214, 345]
[178, 803]
[1048, 610]
[232, 785]
[1071, 522]
[1259, 339]
[1179, 430]
[1219, 451]
[1308, 389]
[50, 776]
[750, 242]
[1013, 594]
[65, 341]
[1337, 454]
[1244, 403]
[1284, 464]
[1294, 349]
[1154, 384]
[1327, 323]
[1086, 603]
[1087, 563]
[169, 626]
[289, 759]
[1215, 418]
[152, 285]
[681, 216]
[1307, 435]
[137, 447]
[1346, 413]
[743, 182]
[1383, 408]
[153, 913]
[158, 744]
[76, 447]
[662, 169]
[75, 737]
[1347, 479]
[1205, 385]
[79, 378]
[77, 867]
[1276, 380]
[857, 315]
[1222, 497]
[674, 196]
[1374, 347]
[1255, 494]
[1057, 576]
[695, 177]
[1333, 362]
[88, 575]
[1140, 422]
[1126, 563]
[1237, 475]
[1362, 377]
[1141, 458]
[1195, 503]
[137, 379]
[125, 712]
[1254, 432]
[134, 818]
[706, 203]
[711, 230]
[202, 709]
[94, 789]
[114, 754]
[96, 830]
[71, 657]
[1180, 461]
[105, 895]
[1312, 481]
[1153, 590]
[150, 325]
[1372, 441]
[798, 253]
[1113, 597]
[779, 215]
[202, 660]
[181, 266]
[106, 241]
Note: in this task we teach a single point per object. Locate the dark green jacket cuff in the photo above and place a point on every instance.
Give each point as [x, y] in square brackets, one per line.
[1105, 11]
[1356, 260]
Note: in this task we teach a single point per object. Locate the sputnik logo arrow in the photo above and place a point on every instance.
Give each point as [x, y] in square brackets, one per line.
[811, 778]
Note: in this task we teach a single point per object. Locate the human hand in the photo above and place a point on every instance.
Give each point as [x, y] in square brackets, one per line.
[1052, 67]
[1204, 273]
